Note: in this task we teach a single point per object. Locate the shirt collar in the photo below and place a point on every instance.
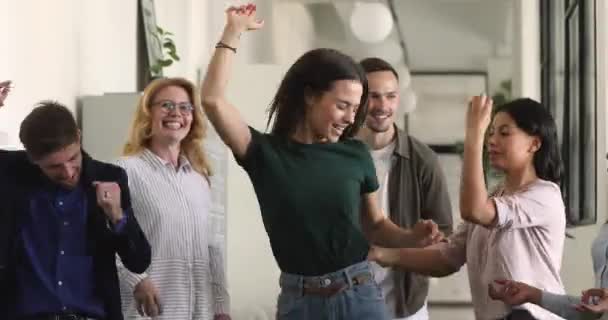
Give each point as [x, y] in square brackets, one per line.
[159, 163]
[403, 146]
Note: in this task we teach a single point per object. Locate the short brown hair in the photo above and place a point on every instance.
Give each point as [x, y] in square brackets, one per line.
[50, 127]
[374, 64]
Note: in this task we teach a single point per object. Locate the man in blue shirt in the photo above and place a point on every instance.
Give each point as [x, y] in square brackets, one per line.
[63, 219]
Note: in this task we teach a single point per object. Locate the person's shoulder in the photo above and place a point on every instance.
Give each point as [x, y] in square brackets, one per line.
[544, 193]
[354, 143]
[420, 149]
[423, 155]
[129, 162]
[257, 134]
[13, 155]
[15, 162]
[105, 170]
[353, 146]
[545, 188]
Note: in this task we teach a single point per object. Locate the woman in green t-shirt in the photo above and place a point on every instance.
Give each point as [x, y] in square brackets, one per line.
[315, 184]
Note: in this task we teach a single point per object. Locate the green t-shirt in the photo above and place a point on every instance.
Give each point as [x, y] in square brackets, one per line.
[310, 198]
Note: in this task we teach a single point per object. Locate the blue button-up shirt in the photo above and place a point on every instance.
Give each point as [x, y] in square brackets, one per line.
[55, 273]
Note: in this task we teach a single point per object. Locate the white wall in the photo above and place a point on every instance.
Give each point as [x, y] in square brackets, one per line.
[40, 69]
[62, 49]
[526, 49]
[107, 44]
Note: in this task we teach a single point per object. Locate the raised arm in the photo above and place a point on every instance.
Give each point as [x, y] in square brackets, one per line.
[224, 116]
[475, 205]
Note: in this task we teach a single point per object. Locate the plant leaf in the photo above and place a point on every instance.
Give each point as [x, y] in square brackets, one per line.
[155, 69]
[174, 55]
[165, 62]
[169, 45]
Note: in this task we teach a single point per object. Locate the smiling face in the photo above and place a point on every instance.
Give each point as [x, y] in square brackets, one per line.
[383, 101]
[333, 111]
[509, 147]
[171, 115]
[63, 166]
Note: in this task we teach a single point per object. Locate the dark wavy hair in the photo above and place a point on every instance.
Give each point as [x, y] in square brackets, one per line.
[313, 74]
[536, 120]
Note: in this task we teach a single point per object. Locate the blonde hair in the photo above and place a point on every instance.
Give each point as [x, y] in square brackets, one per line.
[191, 146]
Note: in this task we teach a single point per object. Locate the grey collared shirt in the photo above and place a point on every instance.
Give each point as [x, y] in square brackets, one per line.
[417, 189]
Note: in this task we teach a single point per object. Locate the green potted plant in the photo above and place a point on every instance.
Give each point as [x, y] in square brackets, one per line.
[167, 50]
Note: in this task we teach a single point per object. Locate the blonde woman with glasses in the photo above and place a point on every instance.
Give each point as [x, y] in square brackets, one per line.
[169, 180]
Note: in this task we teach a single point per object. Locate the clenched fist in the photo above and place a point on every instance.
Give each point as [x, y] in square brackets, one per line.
[108, 198]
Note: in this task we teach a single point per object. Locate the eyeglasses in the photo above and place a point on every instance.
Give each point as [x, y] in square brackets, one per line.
[168, 106]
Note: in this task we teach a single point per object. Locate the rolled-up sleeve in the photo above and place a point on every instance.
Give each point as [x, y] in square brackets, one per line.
[540, 204]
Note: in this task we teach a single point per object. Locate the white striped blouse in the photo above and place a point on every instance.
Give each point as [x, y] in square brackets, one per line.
[173, 209]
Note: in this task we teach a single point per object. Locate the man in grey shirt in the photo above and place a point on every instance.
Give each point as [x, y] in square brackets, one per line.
[412, 185]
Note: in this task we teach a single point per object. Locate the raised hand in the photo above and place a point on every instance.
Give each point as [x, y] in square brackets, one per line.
[514, 293]
[427, 233]
[147, 298]
[479, 114]
[108, 198]
[243, 18]
[594, 300]
[5, 88]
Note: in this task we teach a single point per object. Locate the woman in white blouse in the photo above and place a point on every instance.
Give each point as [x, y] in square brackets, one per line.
[516, 232]
[169, 181]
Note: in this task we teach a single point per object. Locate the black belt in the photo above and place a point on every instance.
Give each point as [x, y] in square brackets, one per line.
[62, 316]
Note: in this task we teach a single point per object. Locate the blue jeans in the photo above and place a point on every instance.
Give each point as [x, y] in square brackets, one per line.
[355, 302]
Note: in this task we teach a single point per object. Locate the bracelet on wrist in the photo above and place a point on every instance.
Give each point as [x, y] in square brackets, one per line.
[225, 46]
